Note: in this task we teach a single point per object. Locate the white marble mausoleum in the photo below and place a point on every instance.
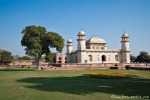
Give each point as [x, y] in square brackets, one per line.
[94, 50]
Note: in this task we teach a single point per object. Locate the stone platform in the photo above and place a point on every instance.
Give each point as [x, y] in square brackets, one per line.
[138, 66]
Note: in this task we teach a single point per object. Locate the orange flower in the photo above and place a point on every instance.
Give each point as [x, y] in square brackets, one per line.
[112, 74]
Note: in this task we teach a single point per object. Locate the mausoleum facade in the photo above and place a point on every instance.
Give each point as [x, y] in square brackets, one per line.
[94, 50]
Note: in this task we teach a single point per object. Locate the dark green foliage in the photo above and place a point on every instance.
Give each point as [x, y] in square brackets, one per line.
[128, 67]
[38, 42]
[132, 58]
[25, 58]
[6, 57]
[51, 57]
[142, 57]
[148, 60]
[1, 51]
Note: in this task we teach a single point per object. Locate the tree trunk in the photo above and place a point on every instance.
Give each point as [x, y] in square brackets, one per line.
[38, 64]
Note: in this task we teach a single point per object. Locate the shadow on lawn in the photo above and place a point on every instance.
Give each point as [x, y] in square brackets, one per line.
[81, 85]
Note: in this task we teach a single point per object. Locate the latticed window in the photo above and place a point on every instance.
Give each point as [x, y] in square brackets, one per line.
[97, 47]
[93, 47]
[116, 57]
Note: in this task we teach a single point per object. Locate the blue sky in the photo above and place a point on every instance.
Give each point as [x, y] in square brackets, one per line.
[106, 18]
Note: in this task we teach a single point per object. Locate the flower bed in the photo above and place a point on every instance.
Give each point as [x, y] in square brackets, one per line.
[109, 75]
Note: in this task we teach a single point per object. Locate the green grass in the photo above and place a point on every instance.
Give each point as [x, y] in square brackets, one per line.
[30, 84]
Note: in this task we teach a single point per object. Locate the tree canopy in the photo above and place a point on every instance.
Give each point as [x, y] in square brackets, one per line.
[38, 41]
[1, 51]
[143, 57]
[25, 58]
[132, 58]
[6, 57]
[51, 58]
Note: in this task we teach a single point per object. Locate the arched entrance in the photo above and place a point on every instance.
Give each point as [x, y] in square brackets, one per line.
[103, 58]
[90, 58]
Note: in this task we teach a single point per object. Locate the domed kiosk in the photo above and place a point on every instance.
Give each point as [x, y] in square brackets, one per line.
[81, 33]
[125, 34]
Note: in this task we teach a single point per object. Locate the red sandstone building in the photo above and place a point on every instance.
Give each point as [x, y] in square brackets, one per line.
[61, 58]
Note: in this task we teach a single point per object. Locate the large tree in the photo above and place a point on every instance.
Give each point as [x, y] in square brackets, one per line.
[142, 57]
[38, 42]
[6, 57]
[132, 58]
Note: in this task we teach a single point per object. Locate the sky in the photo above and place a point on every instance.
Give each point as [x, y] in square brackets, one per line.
[106, 18]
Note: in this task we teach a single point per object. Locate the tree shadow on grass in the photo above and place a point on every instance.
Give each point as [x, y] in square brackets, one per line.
[81, 85]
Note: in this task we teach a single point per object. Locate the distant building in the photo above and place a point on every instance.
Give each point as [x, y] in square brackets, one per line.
[95, 50]
[61, 58]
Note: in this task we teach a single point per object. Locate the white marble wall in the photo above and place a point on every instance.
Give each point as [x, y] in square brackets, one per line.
[97, 57]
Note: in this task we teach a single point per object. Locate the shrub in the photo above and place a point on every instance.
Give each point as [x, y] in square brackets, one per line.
[128, 67]
[22, 66]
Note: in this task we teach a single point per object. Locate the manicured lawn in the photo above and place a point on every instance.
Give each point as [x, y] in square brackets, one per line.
[70, 85]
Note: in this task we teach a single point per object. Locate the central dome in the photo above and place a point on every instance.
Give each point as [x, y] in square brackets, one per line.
[96, 40]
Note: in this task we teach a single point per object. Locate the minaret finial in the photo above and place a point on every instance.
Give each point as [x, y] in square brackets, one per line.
[81, 29]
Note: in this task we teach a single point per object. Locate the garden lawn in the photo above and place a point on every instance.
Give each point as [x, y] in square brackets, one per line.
[31, 84]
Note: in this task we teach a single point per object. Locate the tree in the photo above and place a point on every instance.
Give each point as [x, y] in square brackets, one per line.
[132, 58]
[148, 60]
[1, 51]
[6, 57]
[25, 58]
[142, 57]
[51, 58]
[38, 42]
